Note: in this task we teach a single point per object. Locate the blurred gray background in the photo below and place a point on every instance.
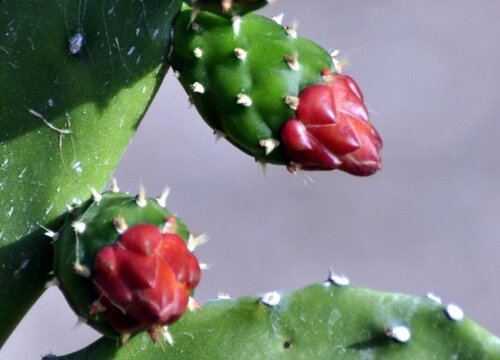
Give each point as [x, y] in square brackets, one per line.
[429, 221]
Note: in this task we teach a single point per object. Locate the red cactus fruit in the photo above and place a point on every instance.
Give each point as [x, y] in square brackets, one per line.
[331, 129]
[143, 280]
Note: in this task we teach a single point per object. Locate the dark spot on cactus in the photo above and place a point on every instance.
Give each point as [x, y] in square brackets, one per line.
[287, 344]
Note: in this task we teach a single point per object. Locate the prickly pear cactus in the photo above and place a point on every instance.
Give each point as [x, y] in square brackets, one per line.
[332, 320]
[124, 265]
[76, 77]
[258, 84]
[227, 7]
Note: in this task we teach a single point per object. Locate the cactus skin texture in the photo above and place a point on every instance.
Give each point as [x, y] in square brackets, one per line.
[321, 321]
[71, 99]
[124, 265]
[228, 7]
[252, 79]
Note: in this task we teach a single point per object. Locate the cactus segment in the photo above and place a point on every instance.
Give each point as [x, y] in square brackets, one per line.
[244, 76]
[321, 321]
[228, 7]
[76, 78]
[123, 264]
[276, 96]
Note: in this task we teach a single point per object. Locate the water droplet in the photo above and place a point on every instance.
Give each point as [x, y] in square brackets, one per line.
[76, 43]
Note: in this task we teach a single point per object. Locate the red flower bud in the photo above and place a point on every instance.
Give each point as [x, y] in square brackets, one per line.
[331, 129]
[143, 280]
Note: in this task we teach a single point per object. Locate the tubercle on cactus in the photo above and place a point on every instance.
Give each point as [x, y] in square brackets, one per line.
[276, 96]
[125, 264]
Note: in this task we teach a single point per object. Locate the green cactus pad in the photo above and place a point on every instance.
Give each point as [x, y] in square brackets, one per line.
[323, 321]
[239, 73]
[228, 7]
[76, 77]
[87, 229]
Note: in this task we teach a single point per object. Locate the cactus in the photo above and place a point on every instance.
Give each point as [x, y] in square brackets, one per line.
[257, 83]
[123, 264]
[76, 78]
[331, 320]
